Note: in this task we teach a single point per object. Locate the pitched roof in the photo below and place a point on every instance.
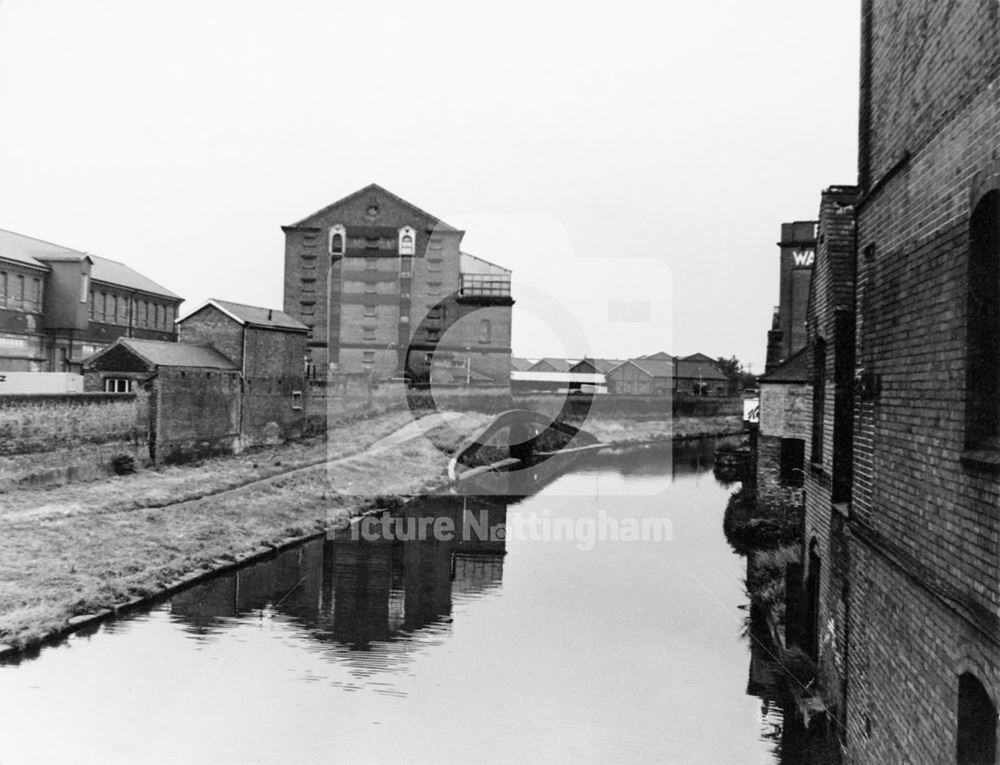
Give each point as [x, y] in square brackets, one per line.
[518, 364]
[794, 369]
[656, 368]
[35, 252]
[601, 365]
[164, 354]
[698, 357]
[470, 264]
[701, 367]
[659, 356]
[555, 364]
[27, 250]
[252, 315]
[113, 272]
[367, 190]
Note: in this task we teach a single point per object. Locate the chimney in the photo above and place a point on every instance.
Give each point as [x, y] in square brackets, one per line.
[269, 312]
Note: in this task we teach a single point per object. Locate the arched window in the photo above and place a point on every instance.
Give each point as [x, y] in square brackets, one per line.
[983, 327]
[976, 740]
[407, 241]
[337, 239]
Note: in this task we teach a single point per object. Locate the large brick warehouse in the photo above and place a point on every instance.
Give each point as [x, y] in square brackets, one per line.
[386, 292]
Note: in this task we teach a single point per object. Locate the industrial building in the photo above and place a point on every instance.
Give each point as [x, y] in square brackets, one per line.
[59, 305]
[386, 292]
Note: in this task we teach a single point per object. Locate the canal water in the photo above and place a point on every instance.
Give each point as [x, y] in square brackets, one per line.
[528, 634]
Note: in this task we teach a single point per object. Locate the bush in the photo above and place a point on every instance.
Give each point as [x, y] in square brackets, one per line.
[123, 464]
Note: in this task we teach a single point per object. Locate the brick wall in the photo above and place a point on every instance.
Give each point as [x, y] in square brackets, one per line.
[925, 555]
[210, 326]
[197, 412]
[39, 423]
[274, 371]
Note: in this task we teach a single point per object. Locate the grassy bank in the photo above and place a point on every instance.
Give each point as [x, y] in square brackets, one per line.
[72, 551]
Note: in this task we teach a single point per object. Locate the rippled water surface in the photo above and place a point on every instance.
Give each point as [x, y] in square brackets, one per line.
[491, 650]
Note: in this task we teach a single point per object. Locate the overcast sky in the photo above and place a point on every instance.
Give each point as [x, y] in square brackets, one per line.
[630, 161]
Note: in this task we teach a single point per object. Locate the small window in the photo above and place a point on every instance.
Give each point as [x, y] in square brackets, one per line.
[371, 288]
[983, 328]
[296, 399]
[368, 334]
[368, 357]
[371, 243]
[371, 264]
[407, 241]
[338, 237]
[793, 453]
[977, 723]
[434, 265]
[484, 331]
[19, 292]
[84, 287]
[117, 385]
[406, 268]
[370, 312]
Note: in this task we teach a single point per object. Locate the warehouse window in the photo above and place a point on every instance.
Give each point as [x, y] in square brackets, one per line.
[117, 385]
[338, 237]
[407, 241]
[977, 723]
[296, 399]
[370, 311]
[793, 454]
[484, 331]
[983, 325]
[84, 287]
[3, 288]
[819, 399]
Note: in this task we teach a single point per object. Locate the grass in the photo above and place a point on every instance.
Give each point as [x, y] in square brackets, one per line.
[76, 551]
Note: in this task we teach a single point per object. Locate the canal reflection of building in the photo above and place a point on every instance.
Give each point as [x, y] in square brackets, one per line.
[358, 591]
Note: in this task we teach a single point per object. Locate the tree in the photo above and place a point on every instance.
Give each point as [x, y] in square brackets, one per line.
[742, 377]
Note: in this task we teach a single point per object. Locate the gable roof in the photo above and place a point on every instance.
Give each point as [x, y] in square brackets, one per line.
[159, 353]
[659, 356]
[519, 364]
[655, 368]
[701, 367]
[794, 369]
[251, 315]
[698, 357]
[552, 364]
[36, 252]
[367, 190]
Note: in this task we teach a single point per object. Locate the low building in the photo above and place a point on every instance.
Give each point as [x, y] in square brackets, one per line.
[595, 366]
[785, 417]
[269, 348]
[700, 375]
[642, 377]
[195, 394]
[59, 305]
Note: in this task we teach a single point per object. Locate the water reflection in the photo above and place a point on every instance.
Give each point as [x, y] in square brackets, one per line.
[353, 592]
[469, 647]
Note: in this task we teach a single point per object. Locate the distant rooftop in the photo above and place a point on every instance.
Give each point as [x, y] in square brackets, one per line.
[36, 252]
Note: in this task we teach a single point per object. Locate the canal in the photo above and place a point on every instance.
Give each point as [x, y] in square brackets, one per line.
[541, 639]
